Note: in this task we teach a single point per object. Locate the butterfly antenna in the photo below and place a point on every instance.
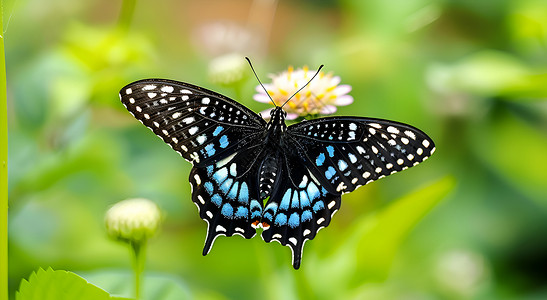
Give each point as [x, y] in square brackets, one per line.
[318, 70]
[253, 69]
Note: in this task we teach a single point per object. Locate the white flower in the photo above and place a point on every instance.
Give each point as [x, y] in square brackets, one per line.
[321, 96]
[133, 220]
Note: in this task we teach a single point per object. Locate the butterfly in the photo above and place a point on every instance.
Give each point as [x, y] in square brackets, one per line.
[250, 173]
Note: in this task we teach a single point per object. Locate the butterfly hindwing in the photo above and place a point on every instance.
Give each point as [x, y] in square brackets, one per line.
[347, 152]
[201, 125]
[297, 208]
[226, 194]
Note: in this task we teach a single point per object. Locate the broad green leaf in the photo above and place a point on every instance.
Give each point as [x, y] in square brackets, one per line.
[381, 235]
[367, 254]
[59, 285]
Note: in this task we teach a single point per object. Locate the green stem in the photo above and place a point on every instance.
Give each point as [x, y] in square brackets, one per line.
[139, 257]
[126, 14]
[3, 166]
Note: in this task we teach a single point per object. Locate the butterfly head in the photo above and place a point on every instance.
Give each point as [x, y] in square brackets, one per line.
[277, 119]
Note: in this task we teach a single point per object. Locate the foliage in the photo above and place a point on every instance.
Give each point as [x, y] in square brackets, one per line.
[59, 285]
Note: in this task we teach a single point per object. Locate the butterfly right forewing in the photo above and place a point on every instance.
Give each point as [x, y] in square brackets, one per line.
[347, 152]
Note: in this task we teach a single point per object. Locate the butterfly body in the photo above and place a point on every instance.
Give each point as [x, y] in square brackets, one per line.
[248, 173]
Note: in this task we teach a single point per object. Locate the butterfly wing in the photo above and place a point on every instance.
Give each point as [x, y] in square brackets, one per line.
[226, 194]
[201, 125]
[327, 157]
[219, 136]
[298, 207]
[344, 153]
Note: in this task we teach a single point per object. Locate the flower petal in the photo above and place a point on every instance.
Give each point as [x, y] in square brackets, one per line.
[342, 89]
[328, 109]
[343, 100]
[261, 98]
[291, 116]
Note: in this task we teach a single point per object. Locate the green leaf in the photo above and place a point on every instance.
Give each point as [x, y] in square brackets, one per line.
[381, 235]
[59, 285]
[368, 252]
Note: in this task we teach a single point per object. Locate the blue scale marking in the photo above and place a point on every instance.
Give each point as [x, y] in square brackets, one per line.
[225, 187]
[304, 201]
[330, 172]
[295, 203]
[320, 159]
[218, 130]
[227, 210]
[342, 165]
[223, 141]
[284, 205]
[216, 199]
[306, 215]
[271, 207]
[220, 175]
[268, 216]
[233, 191]
[323, 191]
[255, 214]
[319, 205]
[313, 192]
[241, 212]
[210, 149]
[294, 220]
[255, 205]
[210, 169]
[208, 187]
[244, 194]
[330, 150]
[281, 219]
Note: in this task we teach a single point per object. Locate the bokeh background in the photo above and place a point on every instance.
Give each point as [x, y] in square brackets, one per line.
[469, 223]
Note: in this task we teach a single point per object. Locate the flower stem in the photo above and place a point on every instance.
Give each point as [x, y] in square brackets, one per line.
[138, 249]
[126, 14]
[3, 167]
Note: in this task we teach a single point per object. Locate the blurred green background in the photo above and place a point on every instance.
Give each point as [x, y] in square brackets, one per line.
[469, 223]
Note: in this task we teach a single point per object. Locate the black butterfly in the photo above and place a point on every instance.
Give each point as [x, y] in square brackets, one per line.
[240, 160]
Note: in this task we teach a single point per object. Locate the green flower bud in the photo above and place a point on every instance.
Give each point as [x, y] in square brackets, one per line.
[133, 220]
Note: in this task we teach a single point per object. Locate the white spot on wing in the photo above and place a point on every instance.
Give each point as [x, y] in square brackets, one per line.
[193, 130]
[410, 134]
[375, 125]
[198, 179]
[167, 89]
[392, 129]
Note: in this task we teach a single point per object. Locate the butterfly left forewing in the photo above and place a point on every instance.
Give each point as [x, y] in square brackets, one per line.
[201, 125]
[347, 152]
